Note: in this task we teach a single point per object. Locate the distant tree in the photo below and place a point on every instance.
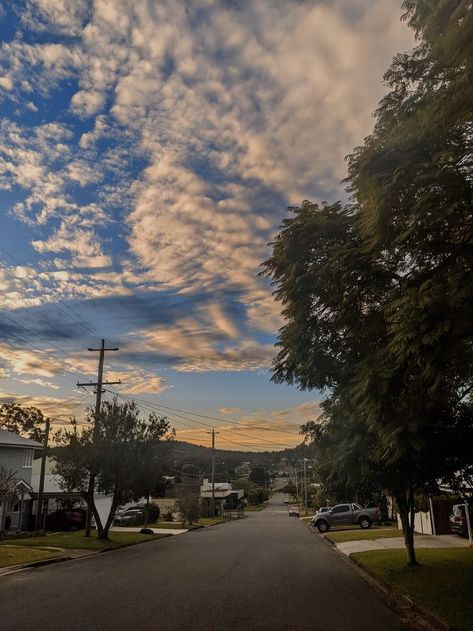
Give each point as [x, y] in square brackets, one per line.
[23, 420]
[259, 475]
[290, 489]
[257, 495]
[188, 505]
[127, 458]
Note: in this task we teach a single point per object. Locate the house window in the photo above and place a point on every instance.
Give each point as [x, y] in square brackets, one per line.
[27, 459]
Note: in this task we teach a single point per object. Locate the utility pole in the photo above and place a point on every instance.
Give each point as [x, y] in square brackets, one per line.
[305, 488]
[297, 485]
[39, 509]
[98, 385]
[213, 432]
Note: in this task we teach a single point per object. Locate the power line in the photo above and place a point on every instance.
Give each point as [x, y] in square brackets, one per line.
[29, 345]
[238, 433]
[216, 418]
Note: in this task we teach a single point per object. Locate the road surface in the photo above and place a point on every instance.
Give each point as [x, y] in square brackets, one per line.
[265, 572]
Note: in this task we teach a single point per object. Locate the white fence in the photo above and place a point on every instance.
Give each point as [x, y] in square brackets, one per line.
[422, 523]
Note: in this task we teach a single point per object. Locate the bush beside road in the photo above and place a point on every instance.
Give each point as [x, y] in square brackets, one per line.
[442, 583]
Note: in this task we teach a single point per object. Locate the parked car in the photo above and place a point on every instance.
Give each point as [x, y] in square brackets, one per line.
[66, 519]
[131, 517]
[346, 515]
[321, 511]
[458, 520]
[294, 511]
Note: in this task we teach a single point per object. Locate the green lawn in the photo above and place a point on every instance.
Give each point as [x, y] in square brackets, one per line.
[250, 508]
[340, 536]
[77, 540]
[443, 583]
[16, 556]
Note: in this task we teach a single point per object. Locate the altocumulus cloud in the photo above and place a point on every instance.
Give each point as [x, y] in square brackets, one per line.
[156, 144]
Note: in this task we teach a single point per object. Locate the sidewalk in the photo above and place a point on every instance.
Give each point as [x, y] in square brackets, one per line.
[421, 541]
[156, 531]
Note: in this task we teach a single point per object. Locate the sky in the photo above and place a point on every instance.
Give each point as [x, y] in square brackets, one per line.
[148, 152]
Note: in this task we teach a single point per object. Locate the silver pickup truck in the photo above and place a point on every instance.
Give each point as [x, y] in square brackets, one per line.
[345, 515]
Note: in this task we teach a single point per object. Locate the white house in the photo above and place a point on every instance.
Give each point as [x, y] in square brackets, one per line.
[17, 455]
[226, 498]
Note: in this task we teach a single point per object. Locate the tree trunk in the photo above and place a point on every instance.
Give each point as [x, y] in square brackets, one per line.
[405, 503]
[145, 525]
[89, 499]
[103, 534]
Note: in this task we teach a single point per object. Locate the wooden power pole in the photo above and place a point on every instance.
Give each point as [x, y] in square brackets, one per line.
[213, 432]
[98, 385]
[39, 509]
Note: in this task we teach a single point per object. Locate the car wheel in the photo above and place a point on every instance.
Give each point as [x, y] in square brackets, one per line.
[365, 522]
[322, 525]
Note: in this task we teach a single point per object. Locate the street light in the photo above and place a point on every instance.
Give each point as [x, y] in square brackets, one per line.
[305, 488]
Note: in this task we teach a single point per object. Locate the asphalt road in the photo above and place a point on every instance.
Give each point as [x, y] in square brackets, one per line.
[265, 572]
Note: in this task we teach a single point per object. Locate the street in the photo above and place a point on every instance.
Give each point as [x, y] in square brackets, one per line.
[265, 572]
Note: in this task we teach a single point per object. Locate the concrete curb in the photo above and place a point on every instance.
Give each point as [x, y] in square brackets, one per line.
[24, 566]
[430, 618]
[12, 569]
[427, 619]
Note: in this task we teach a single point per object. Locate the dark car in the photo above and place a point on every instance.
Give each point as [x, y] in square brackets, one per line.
[458, 520]
[66, 519]
[131, 517]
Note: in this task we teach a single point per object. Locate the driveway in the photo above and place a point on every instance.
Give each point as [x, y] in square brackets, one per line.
[392, 543]
[266, 572]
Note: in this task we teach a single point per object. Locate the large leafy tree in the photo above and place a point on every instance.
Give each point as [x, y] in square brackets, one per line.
[127, 458]
[24, 420]
[377, 295]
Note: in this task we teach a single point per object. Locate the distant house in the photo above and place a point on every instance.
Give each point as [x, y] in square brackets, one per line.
[17, 455]
[226, 498]
[56, 497]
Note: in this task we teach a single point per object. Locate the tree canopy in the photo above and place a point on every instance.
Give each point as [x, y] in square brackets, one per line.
[26, 421]
[127, 458]
[376, 294]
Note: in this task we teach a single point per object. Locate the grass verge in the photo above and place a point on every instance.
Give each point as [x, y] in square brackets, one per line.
[442, 584]
[250, 508]
[17, 556]
[77, 540]
[341, 536]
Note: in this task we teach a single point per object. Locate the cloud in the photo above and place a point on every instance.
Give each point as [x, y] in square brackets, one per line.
[172, 137]
[229, 410]
[6, 83]
[87, 103]
[141, 382]
[83, 244]
[40, 382]
[65, 16]
[24, 362]
[262, 430]
[206, 341]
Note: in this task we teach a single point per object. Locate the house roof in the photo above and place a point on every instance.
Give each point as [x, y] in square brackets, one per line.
[9, 439]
